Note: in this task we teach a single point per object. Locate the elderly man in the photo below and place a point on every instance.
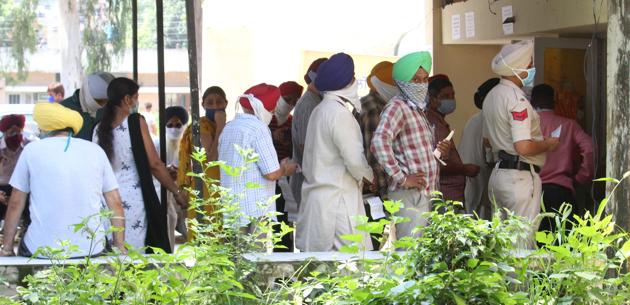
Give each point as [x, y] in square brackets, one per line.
[250, 130]
[301, 115]
[560, 172]
[334, 162]
[472, 150]
[82, 176]
[88, 101]
[512, 128]
[404, 143]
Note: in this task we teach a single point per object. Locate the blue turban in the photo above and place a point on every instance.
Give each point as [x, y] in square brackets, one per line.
[177, 111]
[335, 73]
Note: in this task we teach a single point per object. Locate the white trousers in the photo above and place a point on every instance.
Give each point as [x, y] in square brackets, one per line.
[416, 204]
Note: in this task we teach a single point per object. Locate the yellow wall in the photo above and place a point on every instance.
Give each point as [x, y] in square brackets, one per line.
[468, 66]
[532, 17]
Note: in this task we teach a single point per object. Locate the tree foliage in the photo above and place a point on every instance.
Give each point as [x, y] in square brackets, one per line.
[104, 32]
[18, 37]
[174, 24]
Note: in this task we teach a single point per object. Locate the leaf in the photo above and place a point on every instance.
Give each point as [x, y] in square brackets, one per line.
[607, 179]
[625, 175]
[353, 249]
[357, 238]
[587, 275]
[251, 185]
[458, 300]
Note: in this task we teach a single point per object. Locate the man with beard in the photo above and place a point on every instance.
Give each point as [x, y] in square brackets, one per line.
[404, 143]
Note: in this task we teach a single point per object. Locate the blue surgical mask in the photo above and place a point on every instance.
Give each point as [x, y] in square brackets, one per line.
[529, 80]
[447, 106]
[51, 98]
[211, 112]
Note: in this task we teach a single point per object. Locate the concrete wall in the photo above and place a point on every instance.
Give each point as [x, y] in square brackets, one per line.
[468, 66]
[532, 17]
[618, 85]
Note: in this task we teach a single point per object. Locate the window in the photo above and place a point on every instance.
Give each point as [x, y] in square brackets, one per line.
[14, 98]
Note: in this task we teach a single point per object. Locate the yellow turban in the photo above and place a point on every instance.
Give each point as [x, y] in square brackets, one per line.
[53, 116]
[383, 71]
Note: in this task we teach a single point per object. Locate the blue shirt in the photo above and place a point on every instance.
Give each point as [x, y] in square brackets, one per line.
[248, 132]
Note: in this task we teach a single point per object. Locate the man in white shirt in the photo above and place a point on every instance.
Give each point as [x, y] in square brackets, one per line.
[66, 179]
[334, 162]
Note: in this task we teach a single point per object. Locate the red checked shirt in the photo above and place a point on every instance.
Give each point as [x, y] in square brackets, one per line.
[403, 144]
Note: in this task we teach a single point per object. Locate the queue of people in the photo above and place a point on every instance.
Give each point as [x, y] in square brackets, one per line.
[321, 149]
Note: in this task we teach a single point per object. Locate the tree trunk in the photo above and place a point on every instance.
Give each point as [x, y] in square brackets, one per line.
[618, 92]
[71, 68]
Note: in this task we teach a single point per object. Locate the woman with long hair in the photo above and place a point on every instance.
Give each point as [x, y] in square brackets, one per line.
[124, 136]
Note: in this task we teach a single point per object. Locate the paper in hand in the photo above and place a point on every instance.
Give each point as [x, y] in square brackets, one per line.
[556, 132]
[376, 207]
[437, 152]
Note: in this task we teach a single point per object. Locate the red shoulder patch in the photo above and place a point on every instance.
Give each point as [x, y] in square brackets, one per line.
[519, 116]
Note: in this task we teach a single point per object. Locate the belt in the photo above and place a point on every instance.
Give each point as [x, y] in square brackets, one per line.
[518, 165]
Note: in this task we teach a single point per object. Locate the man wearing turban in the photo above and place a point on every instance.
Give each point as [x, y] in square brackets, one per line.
[512, 128]
[280, 127]
[299, 124]
[88, 101]
[250, 130]
[334, 163]
[65, 179]
[382, 89]
[12, 142]
[404, 142]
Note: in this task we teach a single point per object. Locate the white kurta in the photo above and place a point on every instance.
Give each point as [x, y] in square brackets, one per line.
[471, 151]
[334, 166]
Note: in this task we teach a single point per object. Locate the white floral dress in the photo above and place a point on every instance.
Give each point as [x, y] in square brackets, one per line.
[125, 170]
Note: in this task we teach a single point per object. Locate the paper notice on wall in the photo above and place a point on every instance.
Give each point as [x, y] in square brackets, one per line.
[456, 24]
[469, 18]
[506, 12]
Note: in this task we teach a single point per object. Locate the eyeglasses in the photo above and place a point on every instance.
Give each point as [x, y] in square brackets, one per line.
[178, 125]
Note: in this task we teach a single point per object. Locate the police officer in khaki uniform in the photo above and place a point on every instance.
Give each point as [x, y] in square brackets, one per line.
[512, 128]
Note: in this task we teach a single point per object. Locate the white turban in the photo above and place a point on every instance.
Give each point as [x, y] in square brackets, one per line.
[94, 88]
[513, 56]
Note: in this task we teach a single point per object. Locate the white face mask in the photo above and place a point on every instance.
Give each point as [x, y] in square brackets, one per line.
[282, 111]
[350, 93]
[174, 133]
[386, 91]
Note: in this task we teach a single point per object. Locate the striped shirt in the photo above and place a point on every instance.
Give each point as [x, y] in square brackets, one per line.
[248, 132]
[403, 144]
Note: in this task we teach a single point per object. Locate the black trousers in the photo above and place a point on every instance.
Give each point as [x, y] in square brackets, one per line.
[287, 240]
[553, 197]
[26, 214]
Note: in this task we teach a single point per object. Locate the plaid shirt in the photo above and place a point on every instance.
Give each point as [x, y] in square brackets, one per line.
[403, 144]
[371, 108]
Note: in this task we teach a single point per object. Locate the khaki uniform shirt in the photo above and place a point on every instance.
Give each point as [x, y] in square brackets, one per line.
[509, 118]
